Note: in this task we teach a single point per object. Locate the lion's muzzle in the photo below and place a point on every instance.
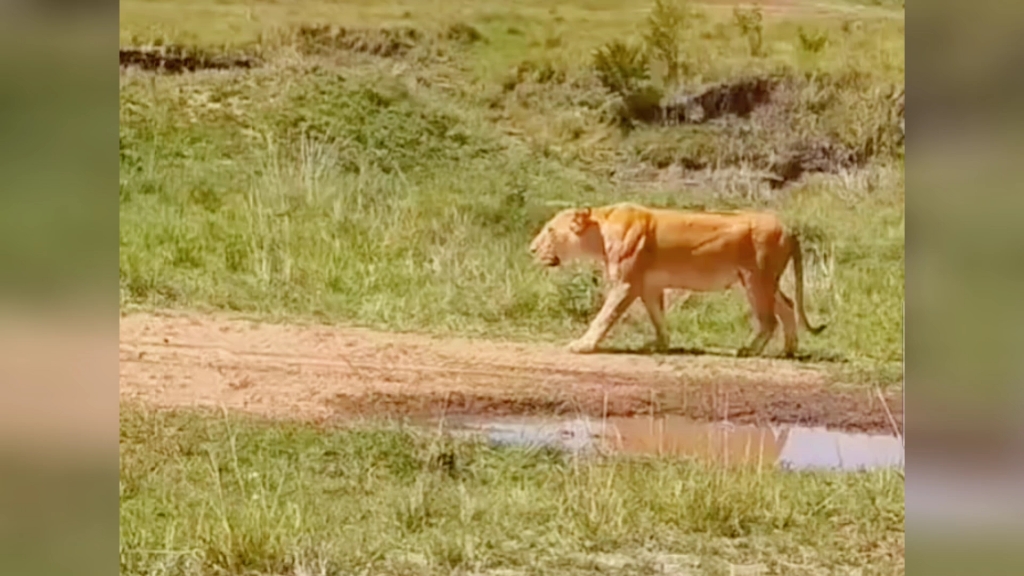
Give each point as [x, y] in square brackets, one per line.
[544, 257]
[542, 251]
[550, 261]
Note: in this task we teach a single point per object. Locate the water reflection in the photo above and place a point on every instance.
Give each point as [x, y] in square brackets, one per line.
[790, 447]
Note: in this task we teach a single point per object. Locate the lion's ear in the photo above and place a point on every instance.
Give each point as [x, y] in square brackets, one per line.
[580, 220]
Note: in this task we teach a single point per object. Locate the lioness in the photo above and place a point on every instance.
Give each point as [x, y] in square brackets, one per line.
[648, 250]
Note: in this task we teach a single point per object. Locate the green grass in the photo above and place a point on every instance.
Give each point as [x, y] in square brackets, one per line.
[208, 494]
[401, 192]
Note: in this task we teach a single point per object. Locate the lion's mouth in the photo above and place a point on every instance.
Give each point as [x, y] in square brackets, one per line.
[551, 261]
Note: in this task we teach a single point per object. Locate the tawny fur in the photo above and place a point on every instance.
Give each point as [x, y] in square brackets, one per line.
[645, 251]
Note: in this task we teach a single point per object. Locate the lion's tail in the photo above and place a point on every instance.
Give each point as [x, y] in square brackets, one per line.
[798, 271]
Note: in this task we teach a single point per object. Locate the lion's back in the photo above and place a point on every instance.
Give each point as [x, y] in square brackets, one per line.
[721, 235]
[709, 243]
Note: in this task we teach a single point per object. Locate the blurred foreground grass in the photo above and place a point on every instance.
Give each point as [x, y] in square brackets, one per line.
[204, 493]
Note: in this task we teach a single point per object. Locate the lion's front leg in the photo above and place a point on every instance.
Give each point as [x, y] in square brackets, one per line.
[618, 300]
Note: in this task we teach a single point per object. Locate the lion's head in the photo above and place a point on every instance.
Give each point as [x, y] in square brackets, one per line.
[569, 235]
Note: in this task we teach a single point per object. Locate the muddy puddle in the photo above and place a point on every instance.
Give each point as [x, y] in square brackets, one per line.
[788, 447]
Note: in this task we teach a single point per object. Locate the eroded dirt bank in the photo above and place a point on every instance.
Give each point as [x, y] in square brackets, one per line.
[322, 373]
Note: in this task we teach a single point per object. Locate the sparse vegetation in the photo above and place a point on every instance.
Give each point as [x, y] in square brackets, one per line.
[812, 41]
[622, 68]
[389, 171]
[207, 494]
[665, 33]
[749, 21]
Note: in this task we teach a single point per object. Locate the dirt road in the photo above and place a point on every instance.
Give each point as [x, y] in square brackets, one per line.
[322, 373]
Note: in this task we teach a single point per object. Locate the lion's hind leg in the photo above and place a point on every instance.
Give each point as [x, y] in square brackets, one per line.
[761, 294]
[787, 315]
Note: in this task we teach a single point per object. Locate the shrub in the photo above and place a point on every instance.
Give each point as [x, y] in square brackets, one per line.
[750, 23]
[622, 68]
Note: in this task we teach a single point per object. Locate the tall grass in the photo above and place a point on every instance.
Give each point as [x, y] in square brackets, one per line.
[202, 493]
[352, 181]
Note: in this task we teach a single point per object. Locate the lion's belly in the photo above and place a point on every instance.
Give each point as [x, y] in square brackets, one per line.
[706, 279]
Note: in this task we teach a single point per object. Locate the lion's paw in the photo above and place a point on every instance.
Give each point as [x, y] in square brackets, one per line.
[580, 347]
[655, 346]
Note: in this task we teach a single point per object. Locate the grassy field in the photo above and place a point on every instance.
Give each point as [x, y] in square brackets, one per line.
[208, 494]
[392, 175]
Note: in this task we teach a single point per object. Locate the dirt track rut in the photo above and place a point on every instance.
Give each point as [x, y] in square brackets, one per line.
[322, 373]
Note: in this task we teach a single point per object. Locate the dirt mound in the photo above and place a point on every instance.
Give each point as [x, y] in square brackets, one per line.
[645, 104]
[323, 373]
[319, 39]
[178, 59]
[738, 98]
[811, 156]
[783, 125]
